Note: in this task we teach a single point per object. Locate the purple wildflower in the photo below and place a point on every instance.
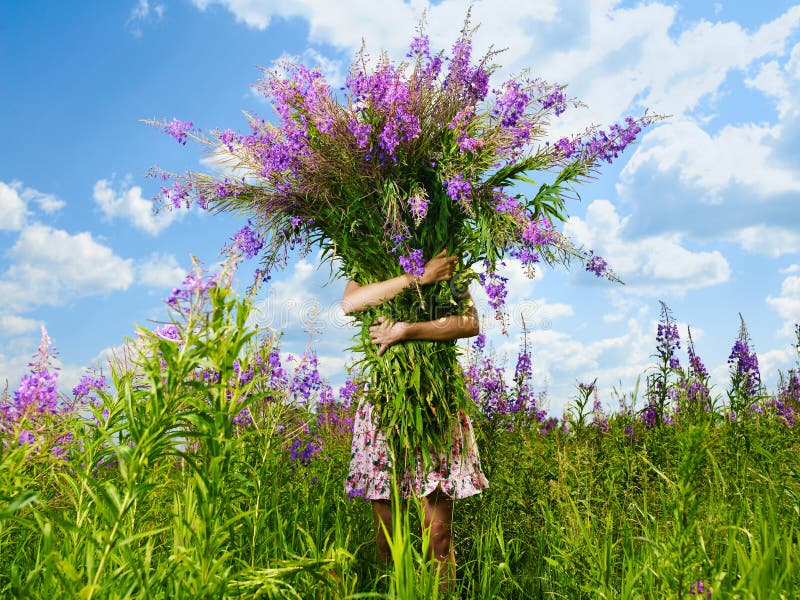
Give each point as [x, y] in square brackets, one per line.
[419, 207]
[413, 264]
[168, 332]
[698, 588]
[510, 106]
[178, 129]
[88, 383]
[459, 189]
[556, 100]
[597, 265]
[247, 242]
[744, 364]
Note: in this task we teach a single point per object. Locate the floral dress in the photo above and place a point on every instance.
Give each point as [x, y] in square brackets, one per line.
[456, 472]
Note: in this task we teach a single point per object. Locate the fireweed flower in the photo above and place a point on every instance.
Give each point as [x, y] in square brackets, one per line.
[597, 265]
[419, 207]
[168, 332]
[178, 129]
[555, 100]
[459, 189]
[87, 384]
[413, 264]
[698, 588]
[668, 342]
[743, 363]
[247, 242]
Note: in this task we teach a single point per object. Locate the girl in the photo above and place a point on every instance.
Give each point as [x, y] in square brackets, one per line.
[456, 471]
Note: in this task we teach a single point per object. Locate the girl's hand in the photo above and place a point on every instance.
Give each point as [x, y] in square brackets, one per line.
[387, 332]
[439, 268]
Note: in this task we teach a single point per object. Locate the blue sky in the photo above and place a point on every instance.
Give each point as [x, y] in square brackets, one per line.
[702, 214]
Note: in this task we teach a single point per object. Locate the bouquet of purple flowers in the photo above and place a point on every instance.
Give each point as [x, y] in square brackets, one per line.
[405, 160]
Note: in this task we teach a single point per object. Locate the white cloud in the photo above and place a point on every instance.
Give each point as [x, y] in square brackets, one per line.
[143, 13]
[769, 241]
[15, 204]
[13, 211]
[12, 325]
[652, 265]
[795, 268]
[787, 303]
[129, 204]
[49, 265]
[160, 271]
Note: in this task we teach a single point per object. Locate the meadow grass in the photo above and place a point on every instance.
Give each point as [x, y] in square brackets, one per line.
[192, 480]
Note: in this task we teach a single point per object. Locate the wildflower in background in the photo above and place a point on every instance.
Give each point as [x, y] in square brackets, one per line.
[306, 378]
[599, 420]
[303, 452]
[743, 364]
[698, 588]
[668, 340]
[37, 393]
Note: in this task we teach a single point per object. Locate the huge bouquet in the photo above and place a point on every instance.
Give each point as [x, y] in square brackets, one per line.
[404, 161]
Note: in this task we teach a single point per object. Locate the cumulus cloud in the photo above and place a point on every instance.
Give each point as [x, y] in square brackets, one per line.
[787, 303]
[129, 204]
[13, 211]
[160, 271]
[651, 265]
[50, 265]
[13, 325]
[15, 204]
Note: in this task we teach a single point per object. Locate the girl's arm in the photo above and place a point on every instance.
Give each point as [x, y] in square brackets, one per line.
[357, 298]
[388, 332]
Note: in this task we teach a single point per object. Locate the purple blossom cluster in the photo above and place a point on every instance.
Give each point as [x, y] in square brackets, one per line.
[169, 332]
[193, 284]
[487, 386]
[459, 189]
[495, 287]
[305, 380]
[743, 364]
[556, 100]
[601, 145]
[413, 263]
[178, 196]
[246, 242]
[385, 92]
[302, 451]
[668, 341]
[178, 129]
[597, 265]
[87, 384]
[419, 207]
[511, 103]
[698, 588]
[34, 416]
[467, 83]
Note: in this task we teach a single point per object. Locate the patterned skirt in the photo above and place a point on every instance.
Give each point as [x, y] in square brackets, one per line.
[457, 471]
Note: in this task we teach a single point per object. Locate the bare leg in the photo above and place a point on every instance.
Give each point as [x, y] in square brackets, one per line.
[382, 512]
[439, 519]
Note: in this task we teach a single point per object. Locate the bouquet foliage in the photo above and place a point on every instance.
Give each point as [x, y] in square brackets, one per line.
[404, 161]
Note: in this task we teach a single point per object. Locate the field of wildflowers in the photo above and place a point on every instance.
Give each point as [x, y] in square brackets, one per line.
[198, 464]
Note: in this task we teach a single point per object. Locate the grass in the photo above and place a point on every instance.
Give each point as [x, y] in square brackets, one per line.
[169, 494]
